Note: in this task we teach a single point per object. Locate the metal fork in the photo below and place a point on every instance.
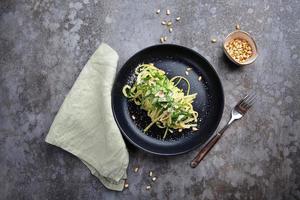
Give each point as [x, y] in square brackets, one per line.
[237, 113]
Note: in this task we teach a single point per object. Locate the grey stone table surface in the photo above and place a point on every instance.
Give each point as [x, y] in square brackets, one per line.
[45, 44]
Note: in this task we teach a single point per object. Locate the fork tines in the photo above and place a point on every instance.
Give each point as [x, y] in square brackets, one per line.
[248, 101]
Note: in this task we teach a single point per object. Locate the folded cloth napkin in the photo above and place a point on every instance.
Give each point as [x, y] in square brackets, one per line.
[85, 126]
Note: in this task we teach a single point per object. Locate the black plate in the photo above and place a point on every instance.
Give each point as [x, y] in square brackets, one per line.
[209, 103]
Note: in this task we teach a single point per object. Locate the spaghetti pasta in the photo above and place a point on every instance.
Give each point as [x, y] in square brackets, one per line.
[166, 104]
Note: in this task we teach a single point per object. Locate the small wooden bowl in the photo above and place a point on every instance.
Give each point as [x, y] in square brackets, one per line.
[242, 35]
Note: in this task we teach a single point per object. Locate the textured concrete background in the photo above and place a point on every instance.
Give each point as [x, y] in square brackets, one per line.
[45, 44]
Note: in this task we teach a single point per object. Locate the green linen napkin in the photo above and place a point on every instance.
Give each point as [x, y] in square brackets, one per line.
[85, 126]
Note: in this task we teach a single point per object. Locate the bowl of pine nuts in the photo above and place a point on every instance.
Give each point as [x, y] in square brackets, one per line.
[240, 48]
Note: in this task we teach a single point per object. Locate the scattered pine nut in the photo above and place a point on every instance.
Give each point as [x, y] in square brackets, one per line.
[148, 187]
[153, 178]
[169, 23]
[165, 38]
[168, 12]
[189, 68]
[136, 169]
[187, 73]
[237, 27]
[195, 129]
[179, 130]
[133, 117]
[199, 78]
[158, 11]
[126, 185]
[163, 22]
[213, 40]
[178, 19]
[161, 40]
[170, 30]
[150, 173]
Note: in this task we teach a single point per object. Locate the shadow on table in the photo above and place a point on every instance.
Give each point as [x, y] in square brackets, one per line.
[140, 154]
[130, 147]
[229, 65]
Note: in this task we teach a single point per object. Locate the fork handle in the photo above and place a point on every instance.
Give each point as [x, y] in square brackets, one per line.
[202, 153]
